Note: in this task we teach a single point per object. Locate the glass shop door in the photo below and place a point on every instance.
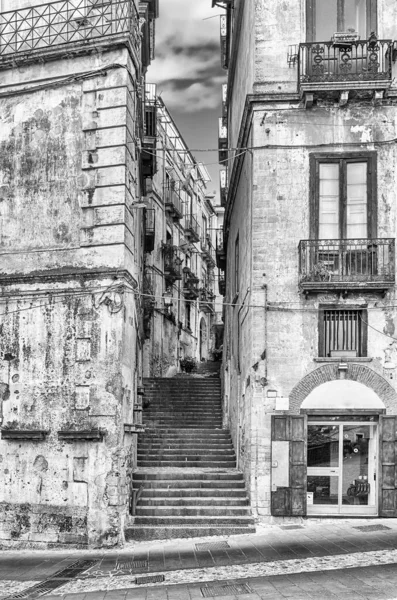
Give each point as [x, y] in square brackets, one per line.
[341, 468]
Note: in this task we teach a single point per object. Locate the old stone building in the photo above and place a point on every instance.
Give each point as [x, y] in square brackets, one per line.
[72, 77]
[309, 128]
[179, 282]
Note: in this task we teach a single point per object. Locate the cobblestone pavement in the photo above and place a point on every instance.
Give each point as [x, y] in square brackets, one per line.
[305, 559]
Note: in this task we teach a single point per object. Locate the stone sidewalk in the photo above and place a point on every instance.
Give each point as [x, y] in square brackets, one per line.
[281, 551]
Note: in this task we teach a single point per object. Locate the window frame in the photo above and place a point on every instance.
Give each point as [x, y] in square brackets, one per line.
[372, 201]
[364, 327]
[372, 19]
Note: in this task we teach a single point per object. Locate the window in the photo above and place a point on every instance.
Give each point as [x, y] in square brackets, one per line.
[343, 198]
[326, 17]
[342, 332]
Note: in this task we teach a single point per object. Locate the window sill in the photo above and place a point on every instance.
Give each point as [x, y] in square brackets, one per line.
[338, 359]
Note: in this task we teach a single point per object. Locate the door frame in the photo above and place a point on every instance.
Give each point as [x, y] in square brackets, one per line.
[373, 467]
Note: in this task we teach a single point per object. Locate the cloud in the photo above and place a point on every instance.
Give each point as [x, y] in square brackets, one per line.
[187, 66]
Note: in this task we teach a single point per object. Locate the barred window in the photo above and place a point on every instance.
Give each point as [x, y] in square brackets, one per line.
[342, 332]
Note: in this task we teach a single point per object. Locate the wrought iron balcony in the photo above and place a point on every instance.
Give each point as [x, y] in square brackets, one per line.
[346, 264]
[220, 250]
[173, 202]
[349, 65]
[172, 263]
[66, 25]
[192, 229]
[190, 284]
[206, 300]
[208, 250]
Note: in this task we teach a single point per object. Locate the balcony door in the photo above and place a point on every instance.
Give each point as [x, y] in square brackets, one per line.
[326, 17]
[341, 468]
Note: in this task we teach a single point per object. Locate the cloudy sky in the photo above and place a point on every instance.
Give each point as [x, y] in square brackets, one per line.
[188, 73]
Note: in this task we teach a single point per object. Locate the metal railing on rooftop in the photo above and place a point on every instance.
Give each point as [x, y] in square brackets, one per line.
[56, 24]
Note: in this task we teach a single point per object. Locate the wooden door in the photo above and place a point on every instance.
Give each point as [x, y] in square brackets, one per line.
[387, 474]
[290, 500]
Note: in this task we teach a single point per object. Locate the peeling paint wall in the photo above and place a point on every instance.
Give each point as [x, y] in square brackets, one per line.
[70, 325]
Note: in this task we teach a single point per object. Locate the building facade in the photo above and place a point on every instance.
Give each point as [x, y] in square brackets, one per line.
[308, 132]
[72, 80]
[179, 300]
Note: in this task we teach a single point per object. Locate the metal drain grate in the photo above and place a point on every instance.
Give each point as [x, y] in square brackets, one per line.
[149, 579]
[55, 581]
[71, 571]
[226, 590]
[131, 564]
[372, 527]
[212, 546]
[288, 527]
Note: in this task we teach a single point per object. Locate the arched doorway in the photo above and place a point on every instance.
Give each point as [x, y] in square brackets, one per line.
[203, 340]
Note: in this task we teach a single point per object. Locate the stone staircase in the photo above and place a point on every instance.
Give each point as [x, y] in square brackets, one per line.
[187, 477]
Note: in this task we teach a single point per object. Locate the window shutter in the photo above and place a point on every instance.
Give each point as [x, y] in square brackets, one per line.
[290, 500]
[388, 454]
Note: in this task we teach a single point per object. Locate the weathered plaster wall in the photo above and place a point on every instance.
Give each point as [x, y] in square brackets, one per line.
[241, 76]
[284, 343]
[70, 344]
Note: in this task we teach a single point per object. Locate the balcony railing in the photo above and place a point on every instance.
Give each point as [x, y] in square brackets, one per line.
[206, 300]
[353, 65]
[192, 228]
[172, 263]
[37, 29]
[347, 264]
[190, 284]
[173, 203]
[208, 250]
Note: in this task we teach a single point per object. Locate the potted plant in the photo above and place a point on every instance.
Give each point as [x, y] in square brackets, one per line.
[83, 431]
[188, 364]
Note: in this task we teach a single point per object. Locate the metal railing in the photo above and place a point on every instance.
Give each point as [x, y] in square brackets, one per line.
[326, 62]
[347, 261]
[172, 262]
[173, 201]
[192, 227]
[207, 249]
[63, 22]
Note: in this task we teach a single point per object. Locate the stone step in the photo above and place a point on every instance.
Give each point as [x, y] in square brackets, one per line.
[185, 425]
[214, 521]
[161, 512]
[171, 452]
[183, 412]
[154, 532]
[229, 475]
[186, 462]
[194, 501]
[194, 493]
[193, 444]
[198, 432]
[190, 485]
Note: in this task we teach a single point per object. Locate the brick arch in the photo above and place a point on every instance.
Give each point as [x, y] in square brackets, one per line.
[355, 372]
